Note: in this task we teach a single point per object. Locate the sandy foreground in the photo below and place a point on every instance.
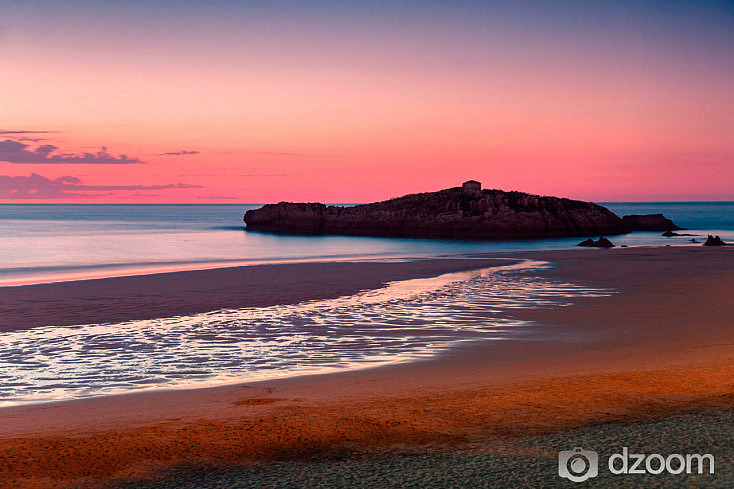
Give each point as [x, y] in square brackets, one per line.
[659, 351]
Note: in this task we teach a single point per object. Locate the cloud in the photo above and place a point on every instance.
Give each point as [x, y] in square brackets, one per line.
[36, 186]
[5, 131]
[178, 153]
[33, 140]
[17, 152]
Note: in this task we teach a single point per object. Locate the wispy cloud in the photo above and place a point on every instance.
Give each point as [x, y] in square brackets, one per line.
[217, 197]
[33, 140]
[36, 186]
[178, 153]
[17, 152]
[21, 131]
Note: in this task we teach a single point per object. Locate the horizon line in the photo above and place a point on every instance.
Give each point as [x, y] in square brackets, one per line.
[347, 203]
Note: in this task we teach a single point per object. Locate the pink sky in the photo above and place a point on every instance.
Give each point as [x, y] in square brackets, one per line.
[354, 107]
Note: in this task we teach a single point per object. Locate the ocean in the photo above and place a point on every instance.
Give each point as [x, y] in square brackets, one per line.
[404, 321]
[47, 243]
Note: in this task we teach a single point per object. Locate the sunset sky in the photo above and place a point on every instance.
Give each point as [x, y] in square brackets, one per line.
[253, 102]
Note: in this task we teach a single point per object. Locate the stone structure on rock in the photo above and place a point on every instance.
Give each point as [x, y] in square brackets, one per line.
[471, 187]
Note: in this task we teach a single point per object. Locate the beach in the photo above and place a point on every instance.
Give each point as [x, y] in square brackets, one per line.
[659, 348]
[366, 245]
[190, 292]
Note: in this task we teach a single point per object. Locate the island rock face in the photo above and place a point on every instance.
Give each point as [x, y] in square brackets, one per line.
[461, 212]
[649, 222]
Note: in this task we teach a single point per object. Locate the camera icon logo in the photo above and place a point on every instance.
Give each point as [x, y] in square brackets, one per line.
[578, 464]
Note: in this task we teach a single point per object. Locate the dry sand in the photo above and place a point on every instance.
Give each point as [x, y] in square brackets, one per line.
[663, 346]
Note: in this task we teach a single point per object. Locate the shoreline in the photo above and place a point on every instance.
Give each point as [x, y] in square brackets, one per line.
[662, 345]
[145, 269]
[188, 292]
[390, 323]
[198, 290]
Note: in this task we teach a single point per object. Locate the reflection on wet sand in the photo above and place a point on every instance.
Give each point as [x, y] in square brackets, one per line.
[403, 321]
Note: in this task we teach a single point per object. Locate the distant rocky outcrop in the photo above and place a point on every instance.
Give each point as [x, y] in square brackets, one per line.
[466, 212]
[599, 243]
[649, 222]
[714, 241]
[670, 234]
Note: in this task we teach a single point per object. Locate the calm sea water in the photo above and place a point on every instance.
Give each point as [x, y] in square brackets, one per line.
[404, 321]
[41, 243]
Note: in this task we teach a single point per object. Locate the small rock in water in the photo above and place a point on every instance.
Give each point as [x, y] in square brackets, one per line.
[668, 234]
[693, 240]
[714, 241]
[599, 243]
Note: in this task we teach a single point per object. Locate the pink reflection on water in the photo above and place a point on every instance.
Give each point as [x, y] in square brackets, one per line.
[403, 321]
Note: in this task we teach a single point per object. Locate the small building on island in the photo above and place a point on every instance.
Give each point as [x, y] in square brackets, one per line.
[471, 187]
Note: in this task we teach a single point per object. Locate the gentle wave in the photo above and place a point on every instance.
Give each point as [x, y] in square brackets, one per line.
[403, 321]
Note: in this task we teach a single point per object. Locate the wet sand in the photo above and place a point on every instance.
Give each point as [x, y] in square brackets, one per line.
[663, 346]
[119, 299]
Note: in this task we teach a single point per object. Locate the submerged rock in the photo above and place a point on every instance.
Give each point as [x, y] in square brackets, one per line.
[649, 222]
[461, 212]
[714, 241]
[669, 234]
[599, 243]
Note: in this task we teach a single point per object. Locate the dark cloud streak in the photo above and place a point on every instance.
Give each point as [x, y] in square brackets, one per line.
[33, 140]
[18, 153]
[5, 131]
[179, 153]
[36, 186]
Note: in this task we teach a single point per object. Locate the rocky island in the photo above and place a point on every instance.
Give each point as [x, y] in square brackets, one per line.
[649, 222]
[465, 212]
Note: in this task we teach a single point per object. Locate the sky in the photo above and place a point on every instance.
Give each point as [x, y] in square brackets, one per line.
[254, 102]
